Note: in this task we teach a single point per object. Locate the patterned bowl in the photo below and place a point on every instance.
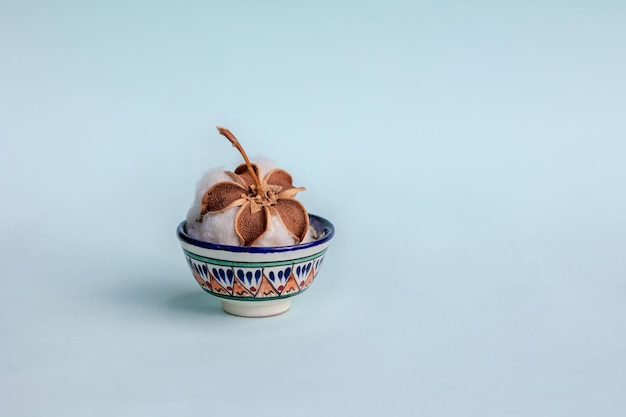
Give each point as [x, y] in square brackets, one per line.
[256, 281]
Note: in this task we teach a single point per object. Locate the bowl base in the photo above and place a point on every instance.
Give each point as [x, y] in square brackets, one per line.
[255, 308]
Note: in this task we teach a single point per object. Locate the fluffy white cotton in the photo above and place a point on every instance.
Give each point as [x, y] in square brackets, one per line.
[215, 228]
[219, 227]
[209, 178]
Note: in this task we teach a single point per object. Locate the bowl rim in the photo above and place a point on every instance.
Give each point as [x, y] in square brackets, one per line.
[327, 230]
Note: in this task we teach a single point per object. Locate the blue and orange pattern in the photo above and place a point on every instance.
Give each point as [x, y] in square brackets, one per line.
[254, 281]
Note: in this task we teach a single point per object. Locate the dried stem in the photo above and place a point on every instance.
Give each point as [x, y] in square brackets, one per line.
[232, 139]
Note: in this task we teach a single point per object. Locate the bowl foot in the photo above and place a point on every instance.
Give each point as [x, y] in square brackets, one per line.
[255, 308]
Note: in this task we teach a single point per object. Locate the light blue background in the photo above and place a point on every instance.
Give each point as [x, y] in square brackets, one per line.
[471, 156]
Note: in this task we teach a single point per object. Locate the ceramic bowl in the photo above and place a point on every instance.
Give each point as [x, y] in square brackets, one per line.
[256, 281]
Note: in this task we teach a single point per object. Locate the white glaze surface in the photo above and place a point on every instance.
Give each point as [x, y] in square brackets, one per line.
[256, 308]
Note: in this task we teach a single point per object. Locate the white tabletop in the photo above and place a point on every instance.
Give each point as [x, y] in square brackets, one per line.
[471, 159]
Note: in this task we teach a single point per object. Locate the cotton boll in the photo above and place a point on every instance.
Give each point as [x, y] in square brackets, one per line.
[216, 228]
[219, 227]
[311, 235]
[276, 235]
[209, 179]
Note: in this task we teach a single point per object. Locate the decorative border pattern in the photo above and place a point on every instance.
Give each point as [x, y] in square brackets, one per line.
[254, 281]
